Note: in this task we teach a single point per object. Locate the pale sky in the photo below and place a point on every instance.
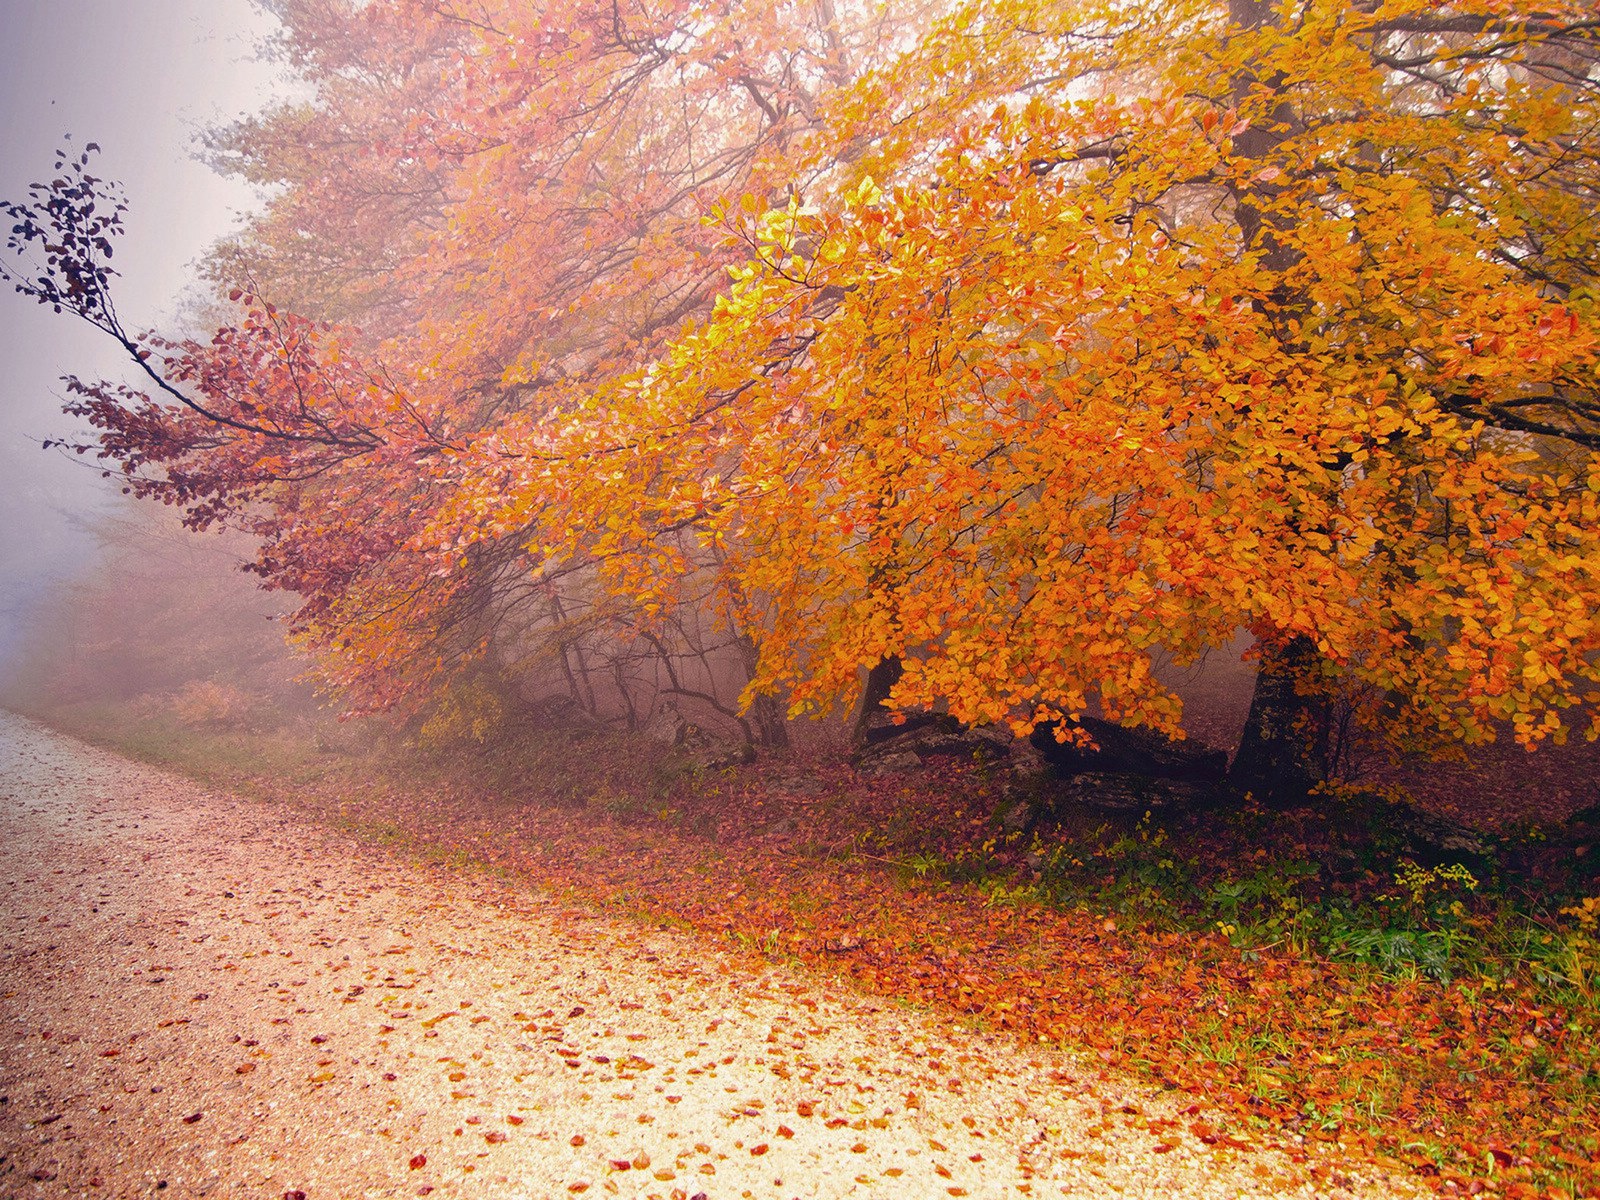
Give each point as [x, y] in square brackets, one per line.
[140, 78]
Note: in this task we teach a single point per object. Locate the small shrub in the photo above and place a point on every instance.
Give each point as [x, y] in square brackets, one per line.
[466, 712]
[208, 704]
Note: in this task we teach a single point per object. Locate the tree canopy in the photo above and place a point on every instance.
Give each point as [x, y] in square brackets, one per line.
[1028, 345]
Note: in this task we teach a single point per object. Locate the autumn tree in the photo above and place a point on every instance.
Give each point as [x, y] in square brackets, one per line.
[1015, 347]
[1125, 328]
[553, 164]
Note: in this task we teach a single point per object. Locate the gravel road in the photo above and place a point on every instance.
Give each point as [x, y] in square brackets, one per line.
[202, 995]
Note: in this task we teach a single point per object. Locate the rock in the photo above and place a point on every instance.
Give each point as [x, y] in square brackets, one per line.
[1026, 763]
[1016, 814]
[561, 712]
[1116, 791]
[955, 745]
[930, 741]
[1120, 750]
[1585, 818]
[667, 726]
[998, 736]
[1430, 836]
[886, 764]
[720, 758]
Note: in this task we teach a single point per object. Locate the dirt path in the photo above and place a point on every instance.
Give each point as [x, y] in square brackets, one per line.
[205, 996]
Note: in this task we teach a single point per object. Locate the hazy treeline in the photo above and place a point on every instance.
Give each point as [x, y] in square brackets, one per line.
[160, 622]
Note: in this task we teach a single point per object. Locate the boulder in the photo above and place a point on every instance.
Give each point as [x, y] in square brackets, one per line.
[562, 714]
[927, 736]
[1120, 750]
[1426, 836]
[1116, 791]
[718, 758]
[888, 763]
[802, 786]
[667, 726]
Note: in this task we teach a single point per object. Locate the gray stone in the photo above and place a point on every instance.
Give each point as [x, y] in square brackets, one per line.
[667, 726]
[888, 764]
[720, 758]
[1127, 792]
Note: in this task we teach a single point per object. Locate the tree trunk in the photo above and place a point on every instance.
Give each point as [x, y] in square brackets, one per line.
[1284, 751]
[771, 726]
[880, 682]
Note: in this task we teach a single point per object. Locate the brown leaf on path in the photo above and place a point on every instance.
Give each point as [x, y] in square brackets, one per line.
[418, 1161]
[192, 1118]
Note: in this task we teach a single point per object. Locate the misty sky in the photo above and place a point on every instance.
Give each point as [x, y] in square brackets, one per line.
[139, 77]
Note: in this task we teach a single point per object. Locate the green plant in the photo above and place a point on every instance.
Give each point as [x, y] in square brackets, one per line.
[1265, 907]
[921, 864]
[998, 892]
[1394, 951]
[464, 712]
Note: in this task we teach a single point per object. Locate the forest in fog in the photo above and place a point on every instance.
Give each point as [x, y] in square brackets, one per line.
[1006, 354]
[1114, 485]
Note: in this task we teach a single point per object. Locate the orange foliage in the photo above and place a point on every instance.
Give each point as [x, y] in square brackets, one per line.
[1106, 347]
[1030, 343]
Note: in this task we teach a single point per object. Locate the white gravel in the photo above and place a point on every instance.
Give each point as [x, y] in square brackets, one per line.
[205, 996]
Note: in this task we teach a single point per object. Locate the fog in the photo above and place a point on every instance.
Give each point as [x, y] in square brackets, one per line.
[140, 78]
